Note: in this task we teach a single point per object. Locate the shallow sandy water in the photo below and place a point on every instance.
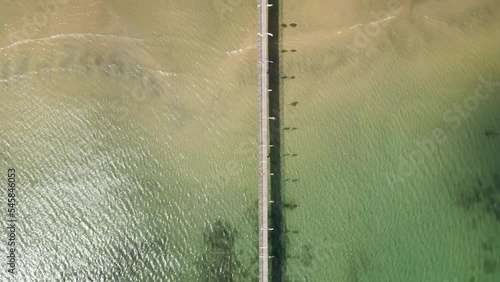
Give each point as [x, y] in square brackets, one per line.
[133, 137]
[156, 103]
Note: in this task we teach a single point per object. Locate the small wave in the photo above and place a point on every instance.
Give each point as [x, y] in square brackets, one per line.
[234, 52]
[27, 75]
[164, 73]
[383, 20]
[372, 23]
[19, 77]
[241, 50]
[72, 36]
[355, 26]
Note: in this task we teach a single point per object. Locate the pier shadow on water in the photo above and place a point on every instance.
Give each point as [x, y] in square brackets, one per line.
[277, 242]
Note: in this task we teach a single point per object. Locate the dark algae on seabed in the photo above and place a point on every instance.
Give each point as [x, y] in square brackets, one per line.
[220, 260]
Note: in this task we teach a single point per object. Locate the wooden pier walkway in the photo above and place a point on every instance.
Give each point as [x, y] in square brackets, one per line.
[263, 105]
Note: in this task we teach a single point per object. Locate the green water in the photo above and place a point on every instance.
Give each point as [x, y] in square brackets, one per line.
[133, 131]
[365, 211]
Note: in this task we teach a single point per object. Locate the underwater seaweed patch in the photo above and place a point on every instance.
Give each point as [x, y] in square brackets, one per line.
[485, 195]
[219, 261]
[489, 266]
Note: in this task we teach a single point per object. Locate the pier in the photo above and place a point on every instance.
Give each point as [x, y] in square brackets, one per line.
[263, 124]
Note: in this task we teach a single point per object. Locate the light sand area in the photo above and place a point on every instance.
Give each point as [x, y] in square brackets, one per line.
[170, 75]
[365, 26]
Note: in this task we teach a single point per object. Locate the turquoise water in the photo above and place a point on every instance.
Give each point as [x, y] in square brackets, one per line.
[389, 179]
